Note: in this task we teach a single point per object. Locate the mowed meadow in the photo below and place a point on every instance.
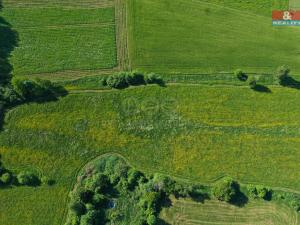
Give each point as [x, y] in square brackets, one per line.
[204, 37]
[58, 36]
[196, 132]
[199, 133]
[188, 212]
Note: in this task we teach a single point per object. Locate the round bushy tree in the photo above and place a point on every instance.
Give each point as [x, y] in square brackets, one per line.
[27, 178]
[117, 81]
[225, 190]
[6, 178]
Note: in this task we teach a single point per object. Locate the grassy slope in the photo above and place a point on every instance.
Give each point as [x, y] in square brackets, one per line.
[64, 37]
[196, 132]
[195, 36]
[187, 212]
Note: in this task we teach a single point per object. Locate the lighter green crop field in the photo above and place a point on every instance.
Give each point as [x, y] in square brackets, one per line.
[196, 36]
[195, 132]
[198, 132]
[187, 212]
[63, 36]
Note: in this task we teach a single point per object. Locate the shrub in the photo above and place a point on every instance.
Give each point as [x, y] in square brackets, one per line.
[27, 178]
[77, 207]
[259, 191]
[163, 183]
[9, 96]
[6, 178]
[133, 177]
[153, 78]
[99, 181]
[151, 220]
[117, 81]
[241, 75]
[135, 78]
[37, 89]
[90, 218]
[225, 190]
[282, 72]
[99, 200]
[253, 83]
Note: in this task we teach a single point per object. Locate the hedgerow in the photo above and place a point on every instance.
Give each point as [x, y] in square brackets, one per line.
[123, 80]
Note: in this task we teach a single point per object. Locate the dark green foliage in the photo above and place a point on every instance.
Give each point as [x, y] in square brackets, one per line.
[99, 200]
[9, 96]
[77, 207]
[225, 190]
[118, 81]
[28, 178]
[163, 183]
[135, 78]
[99, 181]
[37, 90]
[125, 79]
[259, 191]
[90, 218]
[153, 78]
[241, 75]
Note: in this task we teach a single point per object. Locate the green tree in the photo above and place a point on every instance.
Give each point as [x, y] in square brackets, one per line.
[225, 190]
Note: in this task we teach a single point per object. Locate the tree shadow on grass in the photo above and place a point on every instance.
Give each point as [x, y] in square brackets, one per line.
[9, 39]
[261, 88]
[290, 82]
[241, 200]
[162, 222]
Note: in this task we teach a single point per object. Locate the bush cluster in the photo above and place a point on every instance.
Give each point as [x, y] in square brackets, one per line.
[23, 178]
[226, 190]
[259, 191]
[242, 76]
[125, 79]
[37, 89]
[94, 194]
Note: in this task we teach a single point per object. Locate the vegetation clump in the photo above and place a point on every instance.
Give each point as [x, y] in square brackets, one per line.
[226, 190]
[123, 80]
[242, 76]
[111, 186]
[259, 191]
[282, 73]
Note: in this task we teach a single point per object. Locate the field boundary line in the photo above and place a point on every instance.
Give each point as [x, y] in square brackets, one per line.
[185, 179]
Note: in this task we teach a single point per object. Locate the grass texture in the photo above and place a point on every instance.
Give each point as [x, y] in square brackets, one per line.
[196, 132]
[62, 37]
[200, 37]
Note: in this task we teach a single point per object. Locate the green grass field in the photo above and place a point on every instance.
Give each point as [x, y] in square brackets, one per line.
[194, 132]
[196, 36]
[187, 212]
[62, 37]
[202, 128]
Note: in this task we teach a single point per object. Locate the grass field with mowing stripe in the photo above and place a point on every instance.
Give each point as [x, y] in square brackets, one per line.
[61, 38]
[196, 36]
[194, 132]
[188, 212]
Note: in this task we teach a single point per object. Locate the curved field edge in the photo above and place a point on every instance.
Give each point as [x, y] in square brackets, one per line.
[185, 211]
